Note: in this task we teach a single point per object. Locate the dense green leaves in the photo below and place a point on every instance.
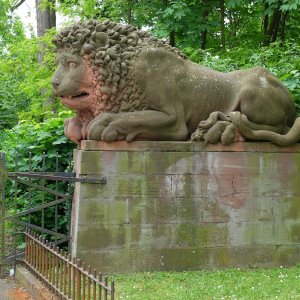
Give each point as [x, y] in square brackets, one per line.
[37, 138]
[11, 28]
[190, 25]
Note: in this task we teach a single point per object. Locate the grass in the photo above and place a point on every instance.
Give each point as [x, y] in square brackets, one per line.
[279, 283]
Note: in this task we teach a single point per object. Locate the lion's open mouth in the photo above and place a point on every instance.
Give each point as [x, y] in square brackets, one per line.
[77, 96]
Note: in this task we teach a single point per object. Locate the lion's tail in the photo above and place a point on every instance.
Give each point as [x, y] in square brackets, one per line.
[284, 140]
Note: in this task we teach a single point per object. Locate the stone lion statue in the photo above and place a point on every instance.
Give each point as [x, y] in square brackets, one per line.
[125, 84]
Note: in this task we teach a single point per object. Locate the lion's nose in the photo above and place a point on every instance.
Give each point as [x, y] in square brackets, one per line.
[55, 82]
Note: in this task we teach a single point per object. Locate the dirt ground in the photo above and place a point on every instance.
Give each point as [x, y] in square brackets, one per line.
[10, 290]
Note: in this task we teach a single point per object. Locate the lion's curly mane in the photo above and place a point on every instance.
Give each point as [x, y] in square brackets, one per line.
[111, 62]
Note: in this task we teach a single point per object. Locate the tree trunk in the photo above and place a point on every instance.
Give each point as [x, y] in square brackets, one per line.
[223, 39]
[276, 26]
[283, 22]
[232, 24]
[203, 39]
[265, 26]
[204, 32]
[45, 19]
[271, 29]
[129, 12]
[172, 38]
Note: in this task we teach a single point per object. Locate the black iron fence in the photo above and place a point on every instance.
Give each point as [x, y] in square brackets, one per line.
[32, 197]
[67, 277]
[37, 200]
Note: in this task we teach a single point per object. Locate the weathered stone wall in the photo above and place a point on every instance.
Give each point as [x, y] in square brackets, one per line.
[180, 206]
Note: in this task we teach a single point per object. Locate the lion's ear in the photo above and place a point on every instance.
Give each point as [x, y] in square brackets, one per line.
[100, 39]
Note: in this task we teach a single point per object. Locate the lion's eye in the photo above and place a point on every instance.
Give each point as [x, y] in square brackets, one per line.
[72, 64]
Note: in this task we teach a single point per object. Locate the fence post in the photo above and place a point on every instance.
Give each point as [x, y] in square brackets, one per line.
[3, 176]
[67, 277]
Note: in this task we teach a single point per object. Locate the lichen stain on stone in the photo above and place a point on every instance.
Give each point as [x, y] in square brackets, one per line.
[294, 232]
[293, 205]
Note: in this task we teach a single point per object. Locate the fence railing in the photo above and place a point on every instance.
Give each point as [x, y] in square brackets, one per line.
[67, 277]
[33, 197]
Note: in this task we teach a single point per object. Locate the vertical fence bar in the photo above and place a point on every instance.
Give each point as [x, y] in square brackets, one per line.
[94, 284]
[100, 287]
[66, 276]
[49, 263]
[69, 203]
[41, 254]
[89, 282]
[112, 288]
[46, 271]
[15, 207]
[32, 252]
[65, 273]
[56, 197]
[30, 188]
[78, 279]
[69, 276]
[57, 267]
[38, 255]
[61, 270]
[105, 290]
[83, 280]
[44, 257]
[43, 193]
[26, 246]
[3, 209]
[74, 278]
[53, 265]
[35, 254]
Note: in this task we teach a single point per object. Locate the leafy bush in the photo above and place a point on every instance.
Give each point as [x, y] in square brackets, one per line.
[37, 138]
[26, 83]
[283, 62]
[48, 146]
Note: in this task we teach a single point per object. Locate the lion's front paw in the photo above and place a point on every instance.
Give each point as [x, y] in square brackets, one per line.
[198, 135]
[111, 134]
[72, 130]
[94, 131]
[97, 126]
[105, 128]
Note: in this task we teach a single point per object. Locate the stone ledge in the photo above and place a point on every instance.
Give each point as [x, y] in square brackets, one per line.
[33, 285]
[157, 204]
[173, 146]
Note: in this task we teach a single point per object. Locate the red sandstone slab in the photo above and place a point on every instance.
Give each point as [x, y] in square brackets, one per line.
[185, 146]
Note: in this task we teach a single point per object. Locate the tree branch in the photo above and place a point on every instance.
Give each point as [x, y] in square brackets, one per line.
[14, 7]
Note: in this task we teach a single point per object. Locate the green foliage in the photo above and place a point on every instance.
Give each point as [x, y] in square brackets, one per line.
[284, 62]
[37, 138]
[34, 77]
[279, 283]
[26, 84]
[50, 151]
[11, 27]
[12, 100]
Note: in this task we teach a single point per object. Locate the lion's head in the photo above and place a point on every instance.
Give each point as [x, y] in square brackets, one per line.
[94, 63]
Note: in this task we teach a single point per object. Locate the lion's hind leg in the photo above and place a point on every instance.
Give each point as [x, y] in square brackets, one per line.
[213, 118]
[204, 126]
[73, 129]
[263, 132]
[217, 128]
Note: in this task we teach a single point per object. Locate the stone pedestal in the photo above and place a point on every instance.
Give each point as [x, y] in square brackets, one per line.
[185, 206]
